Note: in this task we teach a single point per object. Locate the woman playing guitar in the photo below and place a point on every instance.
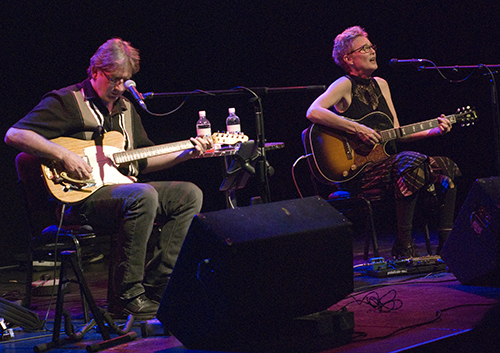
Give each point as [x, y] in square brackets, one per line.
[346, 108]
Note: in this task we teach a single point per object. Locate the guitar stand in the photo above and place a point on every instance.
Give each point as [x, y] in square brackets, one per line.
[99, 317]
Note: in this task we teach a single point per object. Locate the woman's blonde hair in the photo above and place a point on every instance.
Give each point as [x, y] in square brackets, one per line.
[343, 43]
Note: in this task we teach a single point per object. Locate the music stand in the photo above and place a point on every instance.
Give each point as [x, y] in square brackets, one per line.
[242, 167]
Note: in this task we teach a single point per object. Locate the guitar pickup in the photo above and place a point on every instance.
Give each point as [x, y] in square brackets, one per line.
[348, 149]
[71, 187]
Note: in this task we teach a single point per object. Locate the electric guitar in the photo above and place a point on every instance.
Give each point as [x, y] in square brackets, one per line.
[336, 156]
[104, 155]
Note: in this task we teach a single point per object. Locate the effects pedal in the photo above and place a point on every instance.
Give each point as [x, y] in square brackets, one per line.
[382, 268]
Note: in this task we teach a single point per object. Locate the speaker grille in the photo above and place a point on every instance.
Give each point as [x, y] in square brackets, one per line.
[472, 249]
[244, 274]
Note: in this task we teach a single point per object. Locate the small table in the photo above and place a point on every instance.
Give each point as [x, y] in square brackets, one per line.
[239, 169]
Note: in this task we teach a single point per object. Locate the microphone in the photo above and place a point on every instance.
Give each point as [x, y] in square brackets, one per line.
[314, 87]
[405, 61]
[130, 86]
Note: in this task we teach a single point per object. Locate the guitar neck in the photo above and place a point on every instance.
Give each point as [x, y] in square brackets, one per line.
[146, 152]
[392, 134]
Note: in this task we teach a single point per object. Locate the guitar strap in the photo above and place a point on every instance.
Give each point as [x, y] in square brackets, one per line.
[93, 120]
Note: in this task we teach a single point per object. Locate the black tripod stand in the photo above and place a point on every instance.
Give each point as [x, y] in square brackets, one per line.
[99, 316]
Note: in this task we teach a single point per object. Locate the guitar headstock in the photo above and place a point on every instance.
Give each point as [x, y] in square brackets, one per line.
[229, 138]
[465, 116]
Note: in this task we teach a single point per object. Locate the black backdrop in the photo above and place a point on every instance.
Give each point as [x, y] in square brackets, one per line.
[217, 45]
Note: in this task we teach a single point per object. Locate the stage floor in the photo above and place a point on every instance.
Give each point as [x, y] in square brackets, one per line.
[423, 312]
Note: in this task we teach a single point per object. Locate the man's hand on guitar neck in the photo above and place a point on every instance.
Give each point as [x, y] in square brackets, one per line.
[369, 136]
[200, 145]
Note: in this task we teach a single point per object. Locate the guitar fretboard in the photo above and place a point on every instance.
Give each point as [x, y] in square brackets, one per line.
[392, 134]
[146, 152]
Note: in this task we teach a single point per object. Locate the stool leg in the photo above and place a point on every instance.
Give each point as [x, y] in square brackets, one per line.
[372, 233]
[427, 239]
[78, 252]
[59, 303]
[88, 296]
[29, 279]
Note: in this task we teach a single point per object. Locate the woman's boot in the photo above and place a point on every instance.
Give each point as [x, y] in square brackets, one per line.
[403, 246]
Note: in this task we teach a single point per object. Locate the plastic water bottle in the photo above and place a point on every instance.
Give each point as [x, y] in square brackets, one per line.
[203, 127]
[232, 121]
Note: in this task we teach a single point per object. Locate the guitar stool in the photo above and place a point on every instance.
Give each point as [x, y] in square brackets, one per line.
[344, 201]
[320, 143]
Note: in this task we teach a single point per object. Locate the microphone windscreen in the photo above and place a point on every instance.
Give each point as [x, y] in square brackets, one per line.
[129, 83]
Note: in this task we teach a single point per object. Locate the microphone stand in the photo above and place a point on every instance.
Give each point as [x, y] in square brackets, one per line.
[263, 169]
[234, 91]
[494, 99]
[456, 67]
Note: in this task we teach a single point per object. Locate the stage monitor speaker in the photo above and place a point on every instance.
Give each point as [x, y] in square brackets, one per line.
[244, 274]
[472, 250]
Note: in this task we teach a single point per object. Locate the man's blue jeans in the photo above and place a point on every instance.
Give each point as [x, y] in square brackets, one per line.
[131, 211]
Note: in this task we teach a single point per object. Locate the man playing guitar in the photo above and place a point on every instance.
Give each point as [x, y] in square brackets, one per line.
[90, 112]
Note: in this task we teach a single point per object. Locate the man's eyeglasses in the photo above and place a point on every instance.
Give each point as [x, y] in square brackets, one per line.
[114, 81]
[364, 49]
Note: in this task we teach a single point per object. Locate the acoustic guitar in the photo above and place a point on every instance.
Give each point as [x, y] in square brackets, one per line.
[336, 156]
[105, 155]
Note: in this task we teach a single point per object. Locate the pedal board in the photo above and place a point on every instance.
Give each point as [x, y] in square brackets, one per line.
[382, 268]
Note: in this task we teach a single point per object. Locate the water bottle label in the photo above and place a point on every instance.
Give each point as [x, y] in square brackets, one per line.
[234, 128]
[203, 131]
